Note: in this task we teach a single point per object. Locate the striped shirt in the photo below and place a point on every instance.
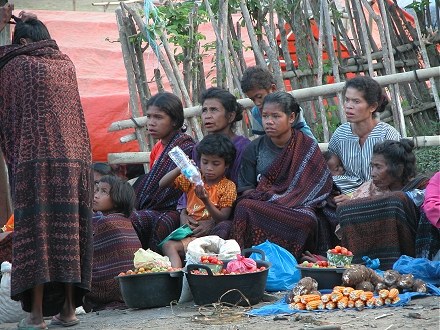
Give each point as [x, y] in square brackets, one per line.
[356, 158]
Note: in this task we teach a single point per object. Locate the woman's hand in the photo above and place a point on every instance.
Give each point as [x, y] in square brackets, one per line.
[5, 15]
[341, 199]
[203, 228]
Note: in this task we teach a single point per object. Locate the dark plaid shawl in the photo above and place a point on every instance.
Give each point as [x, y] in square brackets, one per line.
[287, 205]
[114, 244]
[156, 216]
[44, 138]
[383, 227]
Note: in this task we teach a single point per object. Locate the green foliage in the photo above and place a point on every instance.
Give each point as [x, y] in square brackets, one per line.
[331, 113]
[428, 159]
[418, 6]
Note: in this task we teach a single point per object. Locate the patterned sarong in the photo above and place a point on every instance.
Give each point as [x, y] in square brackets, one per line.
[44, 138]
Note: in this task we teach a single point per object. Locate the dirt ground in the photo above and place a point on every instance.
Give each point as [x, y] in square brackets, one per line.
[420, 313]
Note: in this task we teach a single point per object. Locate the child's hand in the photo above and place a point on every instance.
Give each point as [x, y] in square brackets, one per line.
[201, 193]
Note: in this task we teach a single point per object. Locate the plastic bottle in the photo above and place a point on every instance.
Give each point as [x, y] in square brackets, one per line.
[188, 169]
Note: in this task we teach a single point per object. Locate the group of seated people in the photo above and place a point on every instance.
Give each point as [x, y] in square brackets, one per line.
[363, 193]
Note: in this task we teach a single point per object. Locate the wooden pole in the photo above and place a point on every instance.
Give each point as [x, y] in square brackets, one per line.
[5, 194]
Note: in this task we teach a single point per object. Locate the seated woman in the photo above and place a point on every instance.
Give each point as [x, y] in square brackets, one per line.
[156, 216]
[353, 141]
[382, 218]
[285, 183]
[114, 241]
[220, 112]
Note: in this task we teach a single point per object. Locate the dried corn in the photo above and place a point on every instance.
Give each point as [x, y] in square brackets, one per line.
[378, 302]
[350, 304]
[312, 305]
[296, 298]
[393, 293]
[325, 298]
[366, 295]
[347, 290]
[384, 293]
[310, 297]
[359, 304]
[336, 296]
[330, 305]
[355, 294]
[343, 303]
[298, 306]
[321, 305]
[396, 300]
[338, 289]
[371, 302]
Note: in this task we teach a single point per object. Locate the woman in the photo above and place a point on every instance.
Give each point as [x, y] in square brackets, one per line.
[44, 138]
[353, 141]
[220, 112]
[382, 219]
[285, 183]
[114, 241]
[156, 216]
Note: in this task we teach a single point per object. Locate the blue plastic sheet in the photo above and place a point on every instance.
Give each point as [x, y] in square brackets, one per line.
[422, 268]
[282, 307]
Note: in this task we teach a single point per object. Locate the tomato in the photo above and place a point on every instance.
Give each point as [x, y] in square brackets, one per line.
[334, 251]
[203, 258]
[349, 253]
[338, 249]
[344, 251]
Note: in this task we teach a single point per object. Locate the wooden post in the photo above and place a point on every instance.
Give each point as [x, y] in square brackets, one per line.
[5, 196]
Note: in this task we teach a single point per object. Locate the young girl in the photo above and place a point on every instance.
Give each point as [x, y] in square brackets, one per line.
[210, 202]
[156, 216]
[114, 241]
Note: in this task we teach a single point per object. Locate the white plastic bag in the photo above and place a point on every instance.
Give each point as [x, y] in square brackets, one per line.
[150, 259]
[224, 249]
[10, 310]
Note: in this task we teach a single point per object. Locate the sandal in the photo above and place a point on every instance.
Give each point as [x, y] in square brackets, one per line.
[23, 325]
[57, 321]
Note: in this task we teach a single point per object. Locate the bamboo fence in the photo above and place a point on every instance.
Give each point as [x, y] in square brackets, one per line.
[281, 37]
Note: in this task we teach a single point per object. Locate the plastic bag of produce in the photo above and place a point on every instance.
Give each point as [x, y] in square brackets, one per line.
[283, 274]
[241, 265]
[150, 259]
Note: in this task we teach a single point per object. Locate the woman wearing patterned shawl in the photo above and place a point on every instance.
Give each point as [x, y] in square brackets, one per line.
[285, 184]
[156, 216]
[44, 138]
[383, 218]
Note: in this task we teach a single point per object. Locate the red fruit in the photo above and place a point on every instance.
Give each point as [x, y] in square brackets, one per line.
[334, 251]
[349, 253]
[344, 251]
[203, 258]
[338, 248]
[310, 264]
[206, 261]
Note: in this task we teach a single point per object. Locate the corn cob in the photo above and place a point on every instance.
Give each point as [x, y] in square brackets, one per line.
[310, 297]
[343, 303]
[321, 305]
[325, 298]
[330, 305]
[297, 298]
[378, 302]
[359, 304]
[393, 293]
[371, 302]
[350, 304]
[312, 305]
[366, 295]
[355, 294]
[384, 293]
[396, 300]
[338, 289]
[336, 296]
[347, 290]
[298, 306]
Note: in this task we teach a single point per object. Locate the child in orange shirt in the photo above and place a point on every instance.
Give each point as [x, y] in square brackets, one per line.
[213, 200]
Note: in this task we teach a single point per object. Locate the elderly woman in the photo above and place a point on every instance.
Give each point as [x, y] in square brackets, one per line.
[383, 220]
[285, 183]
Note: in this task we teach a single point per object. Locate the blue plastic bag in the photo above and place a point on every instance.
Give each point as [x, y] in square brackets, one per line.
[283, 274]
[425, 269]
